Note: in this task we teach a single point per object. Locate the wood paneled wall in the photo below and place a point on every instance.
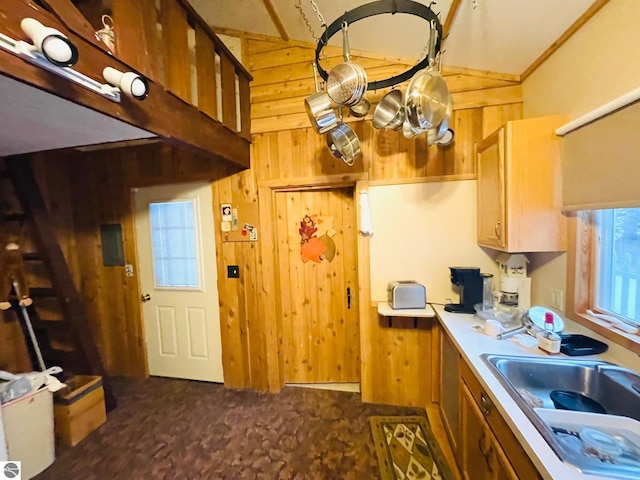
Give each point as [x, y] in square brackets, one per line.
[90, 188]
[286, 151]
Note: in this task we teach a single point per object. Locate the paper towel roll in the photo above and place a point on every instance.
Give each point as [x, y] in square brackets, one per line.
[366, 222]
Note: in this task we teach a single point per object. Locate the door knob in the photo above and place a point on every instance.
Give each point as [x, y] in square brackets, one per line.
[145, 297]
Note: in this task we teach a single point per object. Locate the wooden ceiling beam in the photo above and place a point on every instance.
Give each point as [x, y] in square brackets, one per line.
[575, 26]
[453, 10]
[277, 21]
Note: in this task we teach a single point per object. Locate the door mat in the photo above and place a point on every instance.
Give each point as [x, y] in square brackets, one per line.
[407, 449]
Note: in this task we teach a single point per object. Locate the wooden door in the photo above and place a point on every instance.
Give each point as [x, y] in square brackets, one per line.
[491, 191]
[178, 278]
[317, 260]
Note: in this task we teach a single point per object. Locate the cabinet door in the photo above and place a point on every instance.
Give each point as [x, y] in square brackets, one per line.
[450, 389]
[491, 191]
[474, 447]
[482, 458]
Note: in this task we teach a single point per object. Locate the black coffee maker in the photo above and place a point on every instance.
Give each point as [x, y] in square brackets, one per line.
[469, 282]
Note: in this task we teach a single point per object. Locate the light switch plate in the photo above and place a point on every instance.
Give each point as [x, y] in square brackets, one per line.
[556, 299]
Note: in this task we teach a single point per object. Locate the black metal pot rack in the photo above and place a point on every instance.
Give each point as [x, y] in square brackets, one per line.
[378, 8]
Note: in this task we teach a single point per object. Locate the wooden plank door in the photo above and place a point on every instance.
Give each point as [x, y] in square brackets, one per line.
[178, 277]
[321, 332]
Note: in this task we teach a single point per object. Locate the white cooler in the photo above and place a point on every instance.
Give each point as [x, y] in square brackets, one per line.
[28, 429]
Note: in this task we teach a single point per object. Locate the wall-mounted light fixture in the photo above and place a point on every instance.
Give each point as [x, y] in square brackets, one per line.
[130, 83]
[53, 44]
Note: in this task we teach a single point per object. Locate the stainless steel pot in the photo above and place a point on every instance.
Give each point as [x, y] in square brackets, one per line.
[389, 113]
[360, 109]
[427, 97]
[320, 109]
[408, 130]
[347, 81]
[442, 134]
[344, 143]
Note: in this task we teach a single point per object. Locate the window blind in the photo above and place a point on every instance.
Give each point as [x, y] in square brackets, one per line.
[601, 162]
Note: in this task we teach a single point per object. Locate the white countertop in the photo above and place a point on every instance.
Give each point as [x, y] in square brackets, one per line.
[472, 343]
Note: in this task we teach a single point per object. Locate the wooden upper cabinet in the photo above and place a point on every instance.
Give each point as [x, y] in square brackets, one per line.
[520, 187]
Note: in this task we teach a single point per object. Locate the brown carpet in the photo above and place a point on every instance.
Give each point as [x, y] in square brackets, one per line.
[176, 429]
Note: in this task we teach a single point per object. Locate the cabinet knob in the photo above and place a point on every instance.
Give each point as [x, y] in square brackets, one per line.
[497, 229]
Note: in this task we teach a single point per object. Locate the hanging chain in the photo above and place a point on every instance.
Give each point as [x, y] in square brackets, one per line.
[323, 24]
[306, 19]
[425, 50]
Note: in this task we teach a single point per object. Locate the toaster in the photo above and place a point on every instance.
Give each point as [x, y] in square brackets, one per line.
[406, 294]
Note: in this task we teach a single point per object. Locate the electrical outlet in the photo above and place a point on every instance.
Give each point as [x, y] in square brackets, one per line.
[556, 299]
[233, 271]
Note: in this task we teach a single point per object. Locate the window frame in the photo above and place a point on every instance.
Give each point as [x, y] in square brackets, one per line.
[581, 271]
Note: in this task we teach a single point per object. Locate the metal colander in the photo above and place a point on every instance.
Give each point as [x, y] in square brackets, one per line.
[347, 82]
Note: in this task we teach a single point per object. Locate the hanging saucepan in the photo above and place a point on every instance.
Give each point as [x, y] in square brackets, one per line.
[427, 97]
[408, 130]
[361, 108]
[343, 143]
[389, 113]
[442, 134]
[319, 108]
[347, 82]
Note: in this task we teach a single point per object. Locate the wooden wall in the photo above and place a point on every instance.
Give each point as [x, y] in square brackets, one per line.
[85, 190]
[287, 153]
[89, 188]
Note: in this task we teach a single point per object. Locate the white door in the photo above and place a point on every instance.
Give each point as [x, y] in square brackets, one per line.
[178, 278]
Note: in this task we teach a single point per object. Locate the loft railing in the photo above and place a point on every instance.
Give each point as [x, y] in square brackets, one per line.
[170, 43]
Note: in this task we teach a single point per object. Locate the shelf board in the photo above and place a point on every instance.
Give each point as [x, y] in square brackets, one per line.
[385, 310]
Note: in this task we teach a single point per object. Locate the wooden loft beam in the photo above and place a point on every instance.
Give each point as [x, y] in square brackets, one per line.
[162, 113]
[277, 21]
[453, 10]
[73, 19]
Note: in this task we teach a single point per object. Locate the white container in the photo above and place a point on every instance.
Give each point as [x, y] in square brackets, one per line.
[28, 428]
[549, 342]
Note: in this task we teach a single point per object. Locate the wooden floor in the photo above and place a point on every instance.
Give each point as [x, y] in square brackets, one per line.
[441, 437]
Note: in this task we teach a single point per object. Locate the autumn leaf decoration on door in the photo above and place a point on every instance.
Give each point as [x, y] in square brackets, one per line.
[313, 247]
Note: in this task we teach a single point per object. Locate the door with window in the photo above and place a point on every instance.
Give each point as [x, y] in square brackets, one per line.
[178, 279]
[316, 233]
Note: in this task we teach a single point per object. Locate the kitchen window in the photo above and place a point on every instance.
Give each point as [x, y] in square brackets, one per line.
[617, 262]
[603, 262]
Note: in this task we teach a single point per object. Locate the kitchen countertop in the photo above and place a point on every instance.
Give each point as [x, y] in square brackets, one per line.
[472, 343]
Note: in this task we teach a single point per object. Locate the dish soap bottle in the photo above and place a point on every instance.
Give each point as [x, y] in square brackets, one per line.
[548, 340]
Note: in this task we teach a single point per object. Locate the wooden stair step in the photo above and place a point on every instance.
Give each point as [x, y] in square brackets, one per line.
[42, 292]
[13, 217]
[47, 325]
[43, 233]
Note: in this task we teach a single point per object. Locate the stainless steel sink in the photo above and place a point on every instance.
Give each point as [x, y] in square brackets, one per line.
[616, 388]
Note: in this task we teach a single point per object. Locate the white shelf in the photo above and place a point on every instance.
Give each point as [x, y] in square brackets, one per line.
[385, 310]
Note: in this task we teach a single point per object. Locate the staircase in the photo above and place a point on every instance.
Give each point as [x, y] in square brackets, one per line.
[57, 314]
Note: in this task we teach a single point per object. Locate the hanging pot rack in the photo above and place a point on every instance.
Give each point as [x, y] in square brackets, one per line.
[381, 7]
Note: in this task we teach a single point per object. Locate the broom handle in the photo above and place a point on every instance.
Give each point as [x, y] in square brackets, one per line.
[27, 321]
